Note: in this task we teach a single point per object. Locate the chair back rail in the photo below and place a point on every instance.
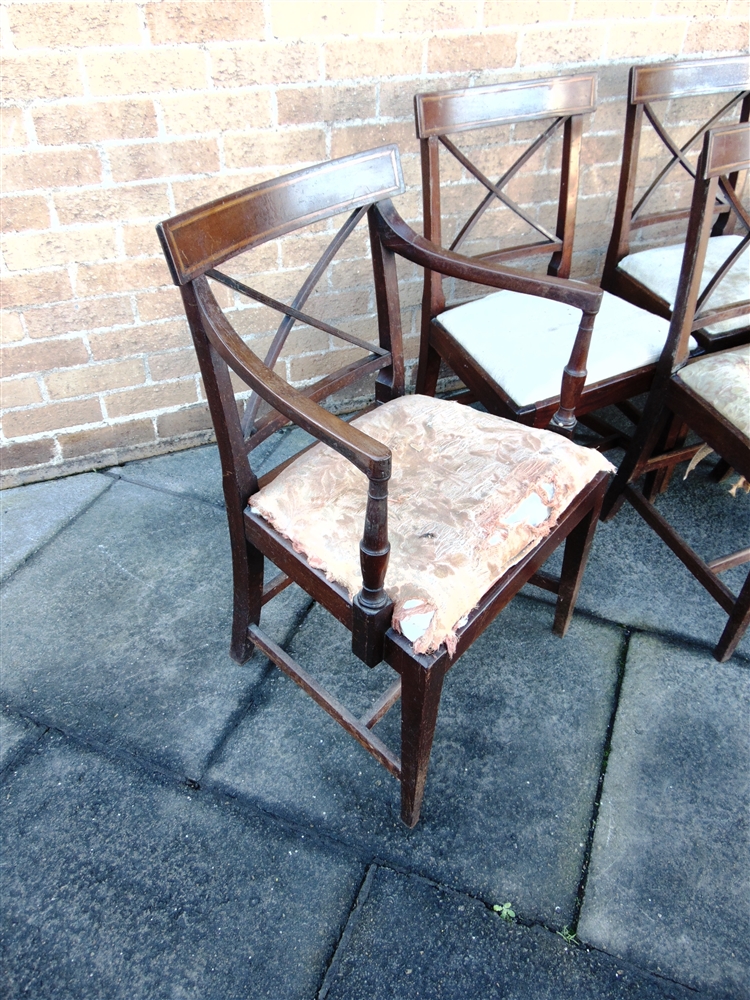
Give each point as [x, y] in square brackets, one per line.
[668, 82]
[561, 102]
[206, 237]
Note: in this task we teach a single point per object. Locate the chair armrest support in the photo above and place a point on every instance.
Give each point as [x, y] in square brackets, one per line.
[371, 608]
[399, 237]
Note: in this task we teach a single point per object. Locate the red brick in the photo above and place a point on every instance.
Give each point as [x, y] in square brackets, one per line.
[52, 25]
[139, 340]
[43, 356]
[61, 124]
[29, 212]
[51, 417]
[52, 75]
[91, 379]
[70, 317]
[184, 421]
[472, 52]
[103, 439]
[30, 289]
[21, 456]
[200, 22]
[264, 64]
[164, 159]
[64, 168]
[19, 392]
[150, 397]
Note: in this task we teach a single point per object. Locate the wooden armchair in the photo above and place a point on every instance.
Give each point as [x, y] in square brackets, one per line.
[477, 505]
[524, 356]
[710, 394]
[649, 276]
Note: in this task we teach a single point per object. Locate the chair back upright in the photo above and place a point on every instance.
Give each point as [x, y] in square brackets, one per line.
[725, 154]
[672, 82]
[557, 105]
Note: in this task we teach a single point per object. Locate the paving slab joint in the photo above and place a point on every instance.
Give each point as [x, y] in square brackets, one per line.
[581, 891]
[350, 924]
[134, 481]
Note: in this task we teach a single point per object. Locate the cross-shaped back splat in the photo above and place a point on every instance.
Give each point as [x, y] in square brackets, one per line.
[563, 100]
[251, 425]
[673, 83]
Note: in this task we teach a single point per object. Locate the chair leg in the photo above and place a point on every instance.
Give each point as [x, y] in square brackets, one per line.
[428, 371]
[657, 482]
[420, 698]
[247, 566]
[575, 557]
[736, 626]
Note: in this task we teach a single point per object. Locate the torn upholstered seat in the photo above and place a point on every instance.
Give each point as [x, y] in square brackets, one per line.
[666, 96]
[723, 381]
[470, 495]
[412, 525]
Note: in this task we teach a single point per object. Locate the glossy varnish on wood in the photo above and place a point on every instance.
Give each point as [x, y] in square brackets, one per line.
[672, 404]
[196, 243]
[674, 82]
[558, 104]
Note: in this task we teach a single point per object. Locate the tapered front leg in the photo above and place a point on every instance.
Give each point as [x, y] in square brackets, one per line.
[247, 566]
[736, 626]
[575, 557]
[420, 699]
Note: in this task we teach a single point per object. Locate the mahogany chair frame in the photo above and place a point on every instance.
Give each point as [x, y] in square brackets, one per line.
[556, 103]
[649, 85]
[198, 242]
[672, 402]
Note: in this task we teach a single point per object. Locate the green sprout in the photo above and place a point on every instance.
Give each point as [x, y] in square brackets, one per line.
[506, 912]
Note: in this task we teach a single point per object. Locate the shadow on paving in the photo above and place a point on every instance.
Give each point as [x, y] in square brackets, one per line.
[413, 940]
[117, 885]
[669, 883]
[118, 632]
[116, 626]
[514, 767]
[632, 577]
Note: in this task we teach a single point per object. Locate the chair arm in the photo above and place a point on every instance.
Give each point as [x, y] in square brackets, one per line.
[367, 454]
[399, 237]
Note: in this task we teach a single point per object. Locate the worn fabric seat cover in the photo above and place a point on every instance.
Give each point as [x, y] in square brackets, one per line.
[523, 342]
[470, 494]
[659, 270]
[723, 380]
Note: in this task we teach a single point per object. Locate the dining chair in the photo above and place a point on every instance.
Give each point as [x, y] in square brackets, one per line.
[709, 394]
[522, 355]
[413, 524]
[648, 276]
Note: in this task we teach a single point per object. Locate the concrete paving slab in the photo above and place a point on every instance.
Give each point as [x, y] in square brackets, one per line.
[410, 939]
[196, 472]
[669, 883]
[14, 732]
[633, 578]
[118, 886]
[31, 515]
[513, 772]
[119, 632]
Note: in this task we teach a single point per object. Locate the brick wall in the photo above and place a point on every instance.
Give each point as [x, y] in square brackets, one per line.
[118, 114]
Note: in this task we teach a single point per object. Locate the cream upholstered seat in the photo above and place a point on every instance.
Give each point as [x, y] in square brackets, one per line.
[723, 380]
[658, 270]
[470, 494]
[524, 342]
